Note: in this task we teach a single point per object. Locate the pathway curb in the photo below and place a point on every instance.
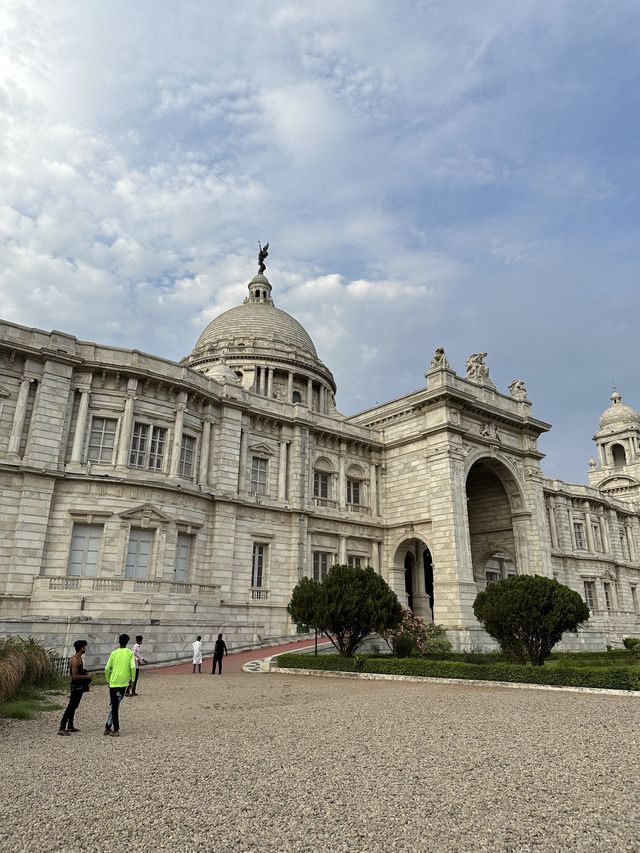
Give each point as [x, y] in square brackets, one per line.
[420, 679]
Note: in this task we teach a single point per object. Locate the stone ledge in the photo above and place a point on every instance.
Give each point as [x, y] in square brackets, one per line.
[374, 676]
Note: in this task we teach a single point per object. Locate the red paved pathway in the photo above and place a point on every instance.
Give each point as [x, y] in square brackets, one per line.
[234, 661]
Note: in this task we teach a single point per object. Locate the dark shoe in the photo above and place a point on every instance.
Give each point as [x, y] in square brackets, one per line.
[63, 732]
[133, 694]
[73, 729]
[114, 734]
[107, 731]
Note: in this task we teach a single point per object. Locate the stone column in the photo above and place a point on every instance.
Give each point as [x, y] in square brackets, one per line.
[81, 426]
[555, 542]
[270, 382]
[124, 440]
[373, 489]
[242, 461]
[310, 394]
[572, 532]
[342, 477]
[203, 476]
[342, 550]
[18, 417]
[591, 545]
[181, 405]
[290, 387]
[282, 468]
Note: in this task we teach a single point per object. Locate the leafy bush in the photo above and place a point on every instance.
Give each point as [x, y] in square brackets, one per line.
[331, 663]
[403, 645]
[347, 606]
[528, 614]
[631, 643]
[22, 662]
[426, 637]
[613, 678]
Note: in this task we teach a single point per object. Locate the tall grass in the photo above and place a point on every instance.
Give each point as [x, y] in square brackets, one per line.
[22, 662]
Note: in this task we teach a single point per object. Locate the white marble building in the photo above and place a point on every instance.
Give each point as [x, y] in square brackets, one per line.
[172, 499]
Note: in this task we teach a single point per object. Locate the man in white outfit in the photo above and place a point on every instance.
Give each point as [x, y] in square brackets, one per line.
[197, 654]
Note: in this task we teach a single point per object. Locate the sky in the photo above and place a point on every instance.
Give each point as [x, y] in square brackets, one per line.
[427, 174]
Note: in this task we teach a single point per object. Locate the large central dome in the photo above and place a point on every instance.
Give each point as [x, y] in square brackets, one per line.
[267, 349]
[256, 320]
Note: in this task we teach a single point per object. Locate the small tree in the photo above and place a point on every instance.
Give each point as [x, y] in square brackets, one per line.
[528, 614]
[303, 607]
[347, 606]
[426, 637]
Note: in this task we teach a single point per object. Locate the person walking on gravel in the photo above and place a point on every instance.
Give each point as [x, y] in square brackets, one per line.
[119, 671]
[80, 681]
[219, 650]
[197, 654]
[137, 655]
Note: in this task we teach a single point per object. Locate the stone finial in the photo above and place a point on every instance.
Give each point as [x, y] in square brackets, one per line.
[439, 359]
[592, 464]
[518, 389]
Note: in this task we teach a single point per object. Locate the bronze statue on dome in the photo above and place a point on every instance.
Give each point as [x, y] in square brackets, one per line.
[262, 256]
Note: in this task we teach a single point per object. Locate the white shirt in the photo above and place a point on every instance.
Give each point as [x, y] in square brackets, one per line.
[197, 651]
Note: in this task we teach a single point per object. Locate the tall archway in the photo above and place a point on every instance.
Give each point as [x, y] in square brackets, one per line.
[413, 558]
[493, 499]
[619, 456]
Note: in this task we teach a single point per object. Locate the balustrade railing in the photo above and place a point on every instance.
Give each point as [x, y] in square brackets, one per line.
[128, 585]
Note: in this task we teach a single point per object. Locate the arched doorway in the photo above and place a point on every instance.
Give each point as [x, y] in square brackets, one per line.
[414, 558]
[493, 498]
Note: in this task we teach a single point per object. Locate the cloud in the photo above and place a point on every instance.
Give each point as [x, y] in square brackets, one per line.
[426, 176]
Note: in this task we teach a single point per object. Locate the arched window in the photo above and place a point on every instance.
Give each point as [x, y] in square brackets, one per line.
[322, 481]
[618, 455]
[355, 483]
[297, 397]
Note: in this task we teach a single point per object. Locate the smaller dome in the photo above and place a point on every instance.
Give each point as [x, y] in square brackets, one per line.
[222, 373]
[619, 415]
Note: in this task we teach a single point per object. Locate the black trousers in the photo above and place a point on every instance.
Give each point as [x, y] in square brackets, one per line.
[132, 686]
[116, 695]
[74, 700]
[217, 660]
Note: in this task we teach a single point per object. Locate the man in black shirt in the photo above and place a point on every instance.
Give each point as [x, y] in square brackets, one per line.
[219, 650]
[80, 681]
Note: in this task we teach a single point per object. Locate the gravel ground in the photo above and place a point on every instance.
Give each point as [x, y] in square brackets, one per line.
[285, 763]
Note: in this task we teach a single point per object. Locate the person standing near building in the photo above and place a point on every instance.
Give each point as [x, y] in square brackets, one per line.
[219, 650]
[80, 681]
[137, 655]
[197, 654]
[119, 671]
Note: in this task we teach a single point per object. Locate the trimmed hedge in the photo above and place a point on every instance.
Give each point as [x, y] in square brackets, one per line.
[614, 678]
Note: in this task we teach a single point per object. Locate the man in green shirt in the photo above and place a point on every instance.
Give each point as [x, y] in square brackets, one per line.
[119, 671]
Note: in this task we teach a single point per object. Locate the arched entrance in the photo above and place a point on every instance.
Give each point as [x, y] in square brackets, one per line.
[495, 511]
[416, 561]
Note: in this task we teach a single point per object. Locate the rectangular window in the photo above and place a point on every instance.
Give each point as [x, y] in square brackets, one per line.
[139, 553]
[183, 556]
[607, 596]
[353, 491]
[320, 484]
[354, 561]
[320, 565]
[597, 537]
[624, 547]
[578, 529]
[259, 475]
[493, 577]
[85, 545]
[187, 454]
[258, 564]
[157, 448]
[147, 447]
[590, 594]
[102, 439]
